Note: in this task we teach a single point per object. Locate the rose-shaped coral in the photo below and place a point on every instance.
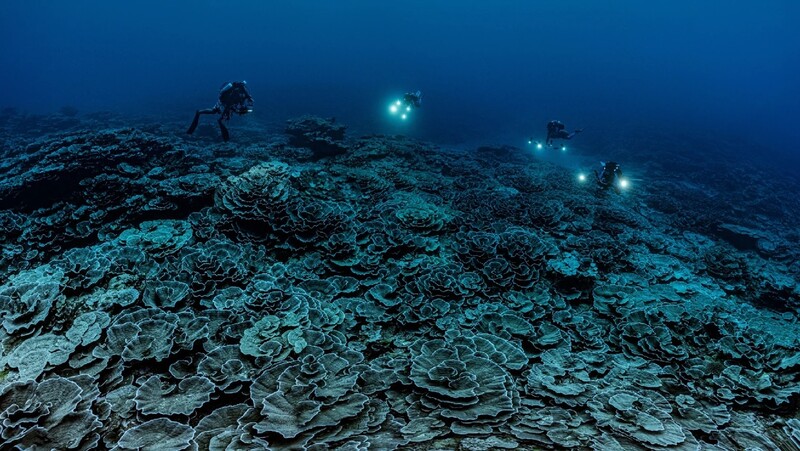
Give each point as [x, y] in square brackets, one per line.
[422, 216]
[313, 221]
[27, 298]
[258, 194]
[53, 414]
[463, 385]
[433, 279]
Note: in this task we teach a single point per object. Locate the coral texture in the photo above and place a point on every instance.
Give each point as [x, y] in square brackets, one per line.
[312, 291]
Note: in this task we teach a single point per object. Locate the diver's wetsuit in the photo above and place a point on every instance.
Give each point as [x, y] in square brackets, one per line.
[413, 99]
[556, 130]
[611, 173]
[233, 98]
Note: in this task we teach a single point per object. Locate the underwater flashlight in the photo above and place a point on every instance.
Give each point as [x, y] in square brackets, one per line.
[581, 177]
[393, 108]
[623, 183]
[408, 108]
[539, 146]
[403, 116]
[563, 148]
[530, 142]
[397, 103]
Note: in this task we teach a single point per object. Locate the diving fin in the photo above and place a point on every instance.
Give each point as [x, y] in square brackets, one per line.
[194, 123]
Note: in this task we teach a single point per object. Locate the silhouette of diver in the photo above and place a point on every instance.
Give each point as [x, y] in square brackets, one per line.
[610, 176]
[233, 98]
[413, 99]
[556, 130]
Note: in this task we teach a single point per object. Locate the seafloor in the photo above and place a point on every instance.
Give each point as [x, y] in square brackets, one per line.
[304, 290]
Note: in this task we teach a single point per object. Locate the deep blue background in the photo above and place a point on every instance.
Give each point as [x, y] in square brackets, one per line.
[491, 72]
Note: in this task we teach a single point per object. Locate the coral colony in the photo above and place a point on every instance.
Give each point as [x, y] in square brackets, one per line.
[314, 292]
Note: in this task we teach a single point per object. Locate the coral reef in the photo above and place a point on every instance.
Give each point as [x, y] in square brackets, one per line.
[316, 292]
[322, 136]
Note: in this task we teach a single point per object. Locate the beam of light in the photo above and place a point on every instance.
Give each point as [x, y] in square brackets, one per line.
[563, 148]
[581, 177]
[539, 146]
[397, 103]
[623, 183]
[403, 116]
[408, 108]
[393, 108]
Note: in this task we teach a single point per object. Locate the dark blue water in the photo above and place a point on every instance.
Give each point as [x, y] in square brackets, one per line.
[489, 70]
[432, 285]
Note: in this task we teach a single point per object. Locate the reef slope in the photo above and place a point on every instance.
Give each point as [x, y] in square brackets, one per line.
[314, 292]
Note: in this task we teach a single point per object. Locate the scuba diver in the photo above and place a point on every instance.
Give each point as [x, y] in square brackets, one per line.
[556, 130]
[410, 100]
[610, 176]
[413, 99]
[233, 98]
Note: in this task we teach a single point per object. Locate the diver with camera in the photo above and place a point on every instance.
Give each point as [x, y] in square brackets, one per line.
[555, 130]
[233, 99]
[611, 177]
[410, 100]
